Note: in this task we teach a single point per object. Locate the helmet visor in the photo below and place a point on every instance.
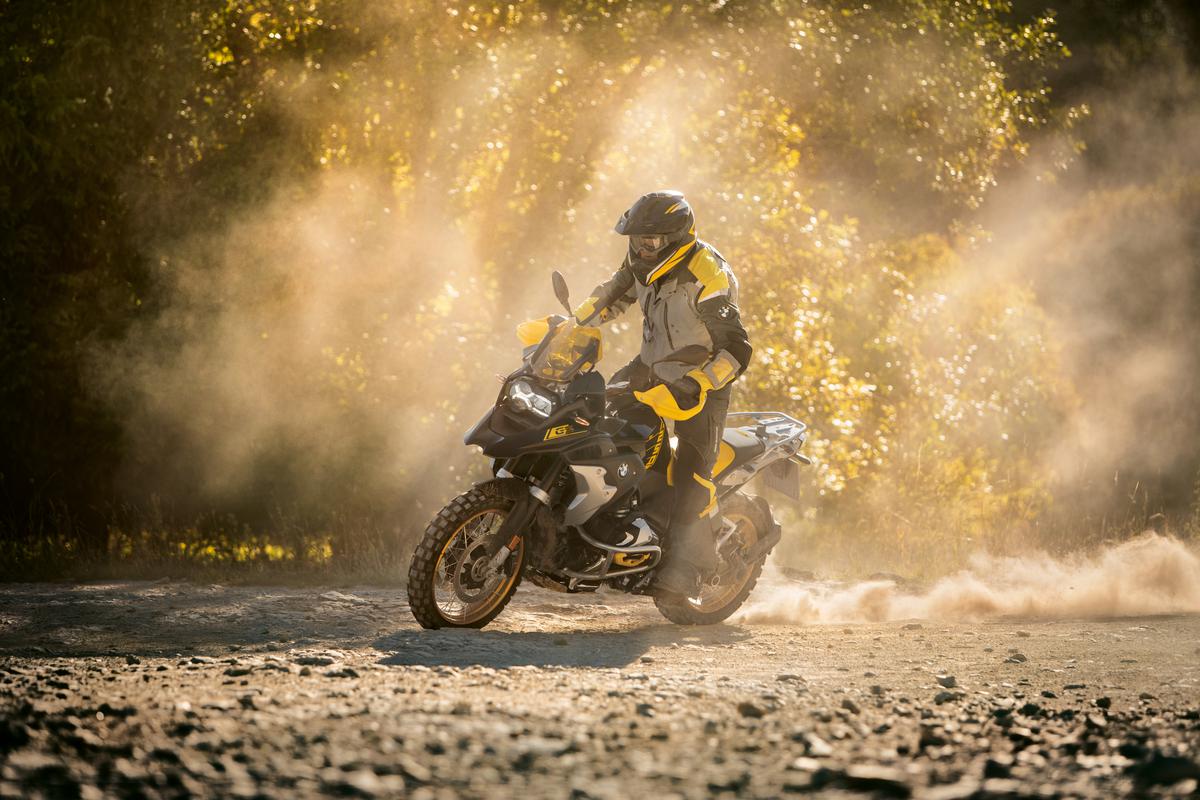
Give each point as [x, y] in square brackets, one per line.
[647, 245]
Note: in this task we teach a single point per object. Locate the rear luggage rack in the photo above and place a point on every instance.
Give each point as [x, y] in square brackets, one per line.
[783, 436]
[774, 428]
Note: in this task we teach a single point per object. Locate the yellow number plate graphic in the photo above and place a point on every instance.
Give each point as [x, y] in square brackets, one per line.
[559, 431]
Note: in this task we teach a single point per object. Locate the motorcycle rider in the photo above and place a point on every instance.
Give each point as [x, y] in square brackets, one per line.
[693, 348]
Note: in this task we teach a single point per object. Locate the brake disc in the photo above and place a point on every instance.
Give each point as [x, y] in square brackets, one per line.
[472, 580]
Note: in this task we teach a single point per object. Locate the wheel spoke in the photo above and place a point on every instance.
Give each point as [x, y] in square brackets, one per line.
[453, 580]
[730, 582]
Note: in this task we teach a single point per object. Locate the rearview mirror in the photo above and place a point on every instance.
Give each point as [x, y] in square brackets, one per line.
[560, 290]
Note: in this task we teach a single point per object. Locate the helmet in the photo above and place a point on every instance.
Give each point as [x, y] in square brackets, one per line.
[659, 225]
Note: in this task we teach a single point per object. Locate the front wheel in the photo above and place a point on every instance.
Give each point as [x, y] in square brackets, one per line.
[725, 592]
[450, 584]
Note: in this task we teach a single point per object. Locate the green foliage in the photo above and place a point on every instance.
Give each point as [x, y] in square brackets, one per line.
[169, 173]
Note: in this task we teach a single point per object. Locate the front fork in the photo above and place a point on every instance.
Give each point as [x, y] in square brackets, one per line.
[508, 538]
[528, 497]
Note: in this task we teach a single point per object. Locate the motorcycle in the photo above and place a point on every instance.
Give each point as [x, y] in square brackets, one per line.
[581, 493]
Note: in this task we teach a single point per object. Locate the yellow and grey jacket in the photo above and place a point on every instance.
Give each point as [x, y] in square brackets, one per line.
[691, 317]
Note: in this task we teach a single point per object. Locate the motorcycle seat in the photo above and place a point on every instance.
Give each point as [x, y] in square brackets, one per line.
[738, 445]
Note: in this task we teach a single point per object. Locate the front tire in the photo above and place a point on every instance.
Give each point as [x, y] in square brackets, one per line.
[447, 587]
[717, 602]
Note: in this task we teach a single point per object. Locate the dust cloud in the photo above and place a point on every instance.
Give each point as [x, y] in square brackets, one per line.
[327, 348]
[1109, 246]
[1151, 574]
[287, 358]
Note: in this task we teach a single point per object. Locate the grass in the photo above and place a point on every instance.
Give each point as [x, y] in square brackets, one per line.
[921, 544]
[215, 550]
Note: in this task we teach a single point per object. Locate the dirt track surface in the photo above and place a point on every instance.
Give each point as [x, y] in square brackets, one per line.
[175, 690]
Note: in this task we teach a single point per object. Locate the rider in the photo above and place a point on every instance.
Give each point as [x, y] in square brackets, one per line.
[693, 348]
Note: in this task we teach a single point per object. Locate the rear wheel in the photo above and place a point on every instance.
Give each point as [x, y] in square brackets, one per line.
[725, 592]
[450, 584]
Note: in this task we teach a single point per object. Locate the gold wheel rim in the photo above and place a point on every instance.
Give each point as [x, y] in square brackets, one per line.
[715, 597]
[467, 537]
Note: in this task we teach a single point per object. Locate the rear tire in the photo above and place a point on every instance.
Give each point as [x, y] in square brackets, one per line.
[450, 535]
[753, 517]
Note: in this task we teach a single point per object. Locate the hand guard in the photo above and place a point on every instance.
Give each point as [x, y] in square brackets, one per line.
[665, 398]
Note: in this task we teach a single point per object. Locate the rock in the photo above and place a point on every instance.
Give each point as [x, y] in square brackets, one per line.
[132, 660]
[647, 710]
[1133, 751]
[1096, 721]
[749, 709]
[731, 783]
[1030, 710]
[1071, 686]
[182, 730]
[877, 781]
[789, 677]
[312, 661]
[1103, 702]
[948, 681]
[947, 697]
[814, 745]
[877, 690]
[1164, 770]
[1020, 736]
[344, 672]
[931, 736]
[913, 626]
[13, 735]
[1023, 634]
[411, 768]
[850, 705]
[998, 766]
[237, 672]
[1146, 696]
[359, 783]
[1048, 694]
[1016, 658]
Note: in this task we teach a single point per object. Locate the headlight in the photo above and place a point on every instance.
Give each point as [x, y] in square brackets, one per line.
[523, 397]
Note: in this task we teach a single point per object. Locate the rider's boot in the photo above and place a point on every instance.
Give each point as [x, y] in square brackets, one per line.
[691, 557]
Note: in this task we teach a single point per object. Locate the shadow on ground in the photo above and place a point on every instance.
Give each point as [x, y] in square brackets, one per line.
[151, 619]
[504, 649]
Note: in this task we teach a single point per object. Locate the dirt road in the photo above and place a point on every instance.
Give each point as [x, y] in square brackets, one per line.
[174, 690]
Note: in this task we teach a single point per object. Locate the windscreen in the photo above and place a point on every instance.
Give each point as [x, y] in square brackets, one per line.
[568, 349]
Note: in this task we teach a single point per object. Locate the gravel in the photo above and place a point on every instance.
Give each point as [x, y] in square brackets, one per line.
[173, 690]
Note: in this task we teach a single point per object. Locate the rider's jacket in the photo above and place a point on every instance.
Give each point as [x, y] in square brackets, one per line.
[690, 312]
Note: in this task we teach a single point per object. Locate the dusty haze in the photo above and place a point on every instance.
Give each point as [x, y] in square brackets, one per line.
[1151, 574]
[327, 349]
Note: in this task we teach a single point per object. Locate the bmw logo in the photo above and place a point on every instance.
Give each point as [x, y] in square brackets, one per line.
[623, 470]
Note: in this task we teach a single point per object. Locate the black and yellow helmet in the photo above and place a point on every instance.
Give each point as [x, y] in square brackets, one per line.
[661, 227]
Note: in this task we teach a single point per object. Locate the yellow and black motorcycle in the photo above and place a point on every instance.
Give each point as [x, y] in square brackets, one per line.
[581, 490]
